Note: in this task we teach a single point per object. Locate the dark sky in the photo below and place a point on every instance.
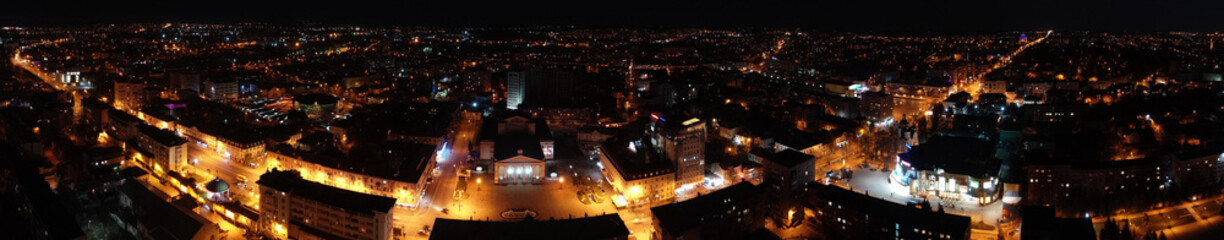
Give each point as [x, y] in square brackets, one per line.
[834, 15]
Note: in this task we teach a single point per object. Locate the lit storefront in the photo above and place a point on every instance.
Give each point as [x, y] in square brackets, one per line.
[950, 168]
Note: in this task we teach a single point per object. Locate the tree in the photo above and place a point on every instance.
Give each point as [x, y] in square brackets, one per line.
[1110, 231]
[1127, 234]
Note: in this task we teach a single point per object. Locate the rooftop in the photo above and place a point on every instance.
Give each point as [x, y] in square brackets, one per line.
[164, 137]
[411, 160]
[291, 182]
[634, 157]
[787, 158]
[162, 216]
[888, 211]
[959, 155]
[122, 116]
[516, 144]
[682, 216]
[803, 140]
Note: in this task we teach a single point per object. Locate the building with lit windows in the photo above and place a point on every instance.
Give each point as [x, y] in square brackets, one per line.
[1076, 189]
[876, 106]
[788, 169]
[637, 171]
[516, 89]
[1198, 172]
[960, 168]
[169, 151]
[404, 181]
[129, 96]
[221, 89]
[1053, 113]
[93, 114]
[681, 139]
[294, 208]
[929, 89]
[847, 214]
[517, 147]
[538, 87]
[121, 125]
[729, 213]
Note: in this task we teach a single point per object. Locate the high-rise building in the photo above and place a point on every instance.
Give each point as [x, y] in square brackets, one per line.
[515, 89]
[221, 89]
[682, 141]
[539, 87]
[129, 95]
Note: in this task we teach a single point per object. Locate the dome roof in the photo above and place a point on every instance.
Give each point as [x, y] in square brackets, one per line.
[217, 185]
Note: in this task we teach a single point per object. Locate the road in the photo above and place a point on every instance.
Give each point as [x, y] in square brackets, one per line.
[210, 164]
[438, 194]
[974, 87]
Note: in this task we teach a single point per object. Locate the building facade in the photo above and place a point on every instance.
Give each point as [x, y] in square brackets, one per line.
[169, 151]
[636, 171]
[293, 208]
[683, 143]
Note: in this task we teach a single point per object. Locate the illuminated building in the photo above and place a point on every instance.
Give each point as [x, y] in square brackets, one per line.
[994, 86]
[129, 96]
[475, 81]
[929, 89]
[516, 88]
[961, 168]
[293, 208]
[225, 90]
[788, 169]
[93, 114]
[121, 125]
[517, 146]
[1198, 171]
[850, 215]
[1078, 188]
[405, 182]
[637, 171]
[876, 106]
[681, 139]
[168, 150]
[74, 80]
[1050, 113]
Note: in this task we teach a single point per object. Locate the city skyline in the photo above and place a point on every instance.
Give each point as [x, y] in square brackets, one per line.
[390, 120]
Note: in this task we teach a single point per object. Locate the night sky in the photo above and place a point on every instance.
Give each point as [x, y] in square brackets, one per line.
[858, 15]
